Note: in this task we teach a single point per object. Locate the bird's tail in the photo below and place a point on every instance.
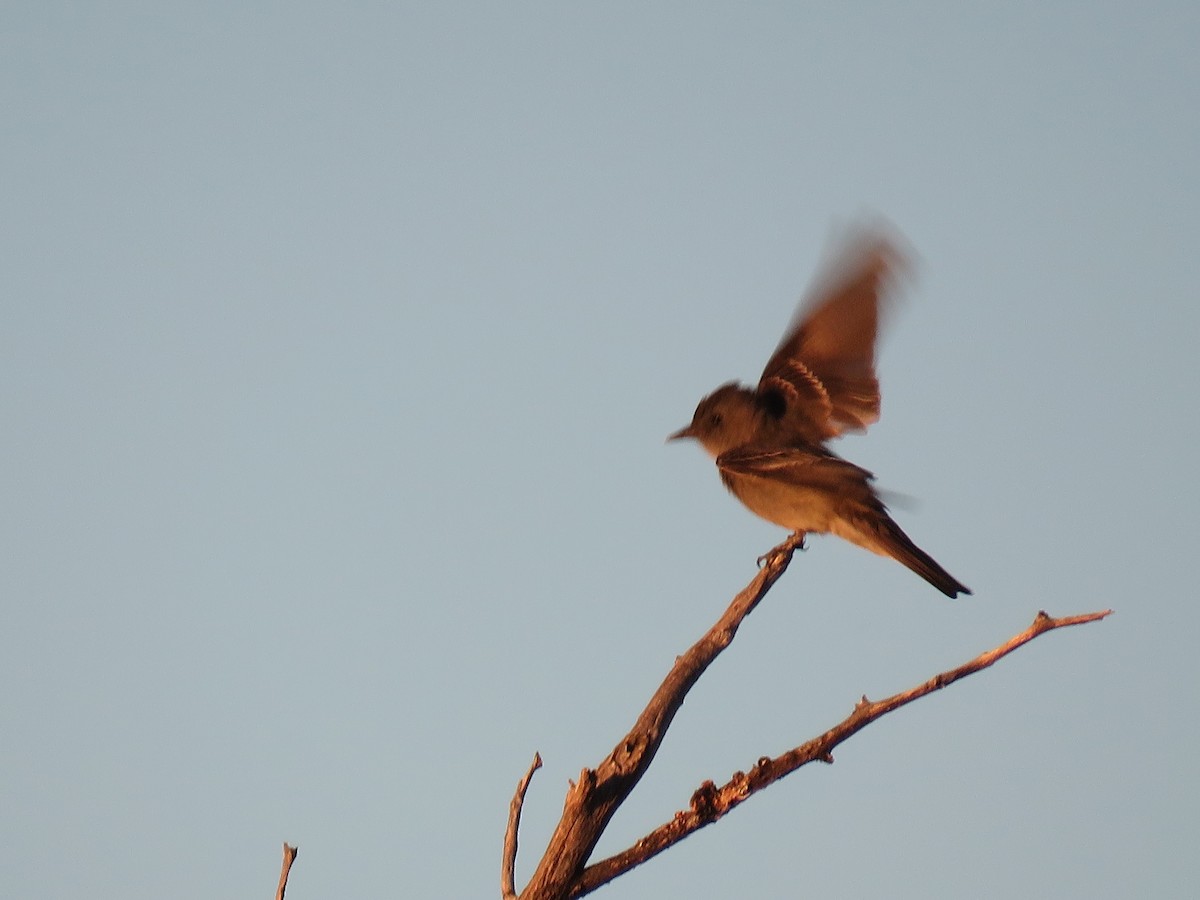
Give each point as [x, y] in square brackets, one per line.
[882, 535]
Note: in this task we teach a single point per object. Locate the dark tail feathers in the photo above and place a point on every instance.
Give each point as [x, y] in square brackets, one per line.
[898, 545]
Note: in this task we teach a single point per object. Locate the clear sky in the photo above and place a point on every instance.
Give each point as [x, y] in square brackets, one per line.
[340, 343]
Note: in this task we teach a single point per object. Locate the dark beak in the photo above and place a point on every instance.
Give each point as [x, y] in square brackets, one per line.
[682, 433]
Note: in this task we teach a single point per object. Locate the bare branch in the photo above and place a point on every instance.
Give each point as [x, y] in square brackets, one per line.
[508, 861]
[591, 802]
[289, 857]
[710, 802]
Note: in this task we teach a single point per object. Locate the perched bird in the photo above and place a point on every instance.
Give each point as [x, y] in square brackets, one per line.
[769, 442]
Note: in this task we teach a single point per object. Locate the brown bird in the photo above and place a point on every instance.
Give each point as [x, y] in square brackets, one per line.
[820, 383]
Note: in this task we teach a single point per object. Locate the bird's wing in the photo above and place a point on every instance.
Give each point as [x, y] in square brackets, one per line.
[811, 466]
[821, 381]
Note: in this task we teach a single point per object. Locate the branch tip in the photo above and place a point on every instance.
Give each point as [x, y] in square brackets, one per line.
[508, 861]
[289, 856]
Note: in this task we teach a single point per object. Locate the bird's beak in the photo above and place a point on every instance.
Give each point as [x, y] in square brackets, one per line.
[685, 432]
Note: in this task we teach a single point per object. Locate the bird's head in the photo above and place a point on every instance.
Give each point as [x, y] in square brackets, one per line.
[725, 419]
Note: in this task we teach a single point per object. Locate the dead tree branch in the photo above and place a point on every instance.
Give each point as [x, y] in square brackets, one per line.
[591, 802]
[289, 857]
[710, 802]
[508, 863]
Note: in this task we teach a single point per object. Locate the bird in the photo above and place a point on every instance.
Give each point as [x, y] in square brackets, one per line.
[769, 441]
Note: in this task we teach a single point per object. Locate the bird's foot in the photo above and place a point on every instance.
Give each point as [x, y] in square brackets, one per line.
[794, 542]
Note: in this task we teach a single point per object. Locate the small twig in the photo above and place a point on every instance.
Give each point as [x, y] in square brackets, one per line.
[710, 802]
[508, 863]
[289, 857]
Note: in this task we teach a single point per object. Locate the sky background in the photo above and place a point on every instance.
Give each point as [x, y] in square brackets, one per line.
[339, 346]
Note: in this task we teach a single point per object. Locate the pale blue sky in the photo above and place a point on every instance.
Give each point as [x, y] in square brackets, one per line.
[339, 348]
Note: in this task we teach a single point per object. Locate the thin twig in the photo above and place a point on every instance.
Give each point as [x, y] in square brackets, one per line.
[710, 802]
[508, 863]
[289, 857]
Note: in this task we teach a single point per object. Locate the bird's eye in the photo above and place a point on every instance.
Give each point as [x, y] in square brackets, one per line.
[715, 420]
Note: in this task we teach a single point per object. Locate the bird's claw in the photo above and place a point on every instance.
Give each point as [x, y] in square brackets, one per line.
[794, 542]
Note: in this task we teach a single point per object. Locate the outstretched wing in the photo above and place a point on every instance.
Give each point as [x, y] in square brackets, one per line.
[821, 381]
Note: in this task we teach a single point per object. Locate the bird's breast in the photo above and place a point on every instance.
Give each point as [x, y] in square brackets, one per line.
[796, 507]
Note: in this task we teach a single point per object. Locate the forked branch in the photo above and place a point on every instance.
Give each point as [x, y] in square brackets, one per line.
[710, 802]
[591, 802]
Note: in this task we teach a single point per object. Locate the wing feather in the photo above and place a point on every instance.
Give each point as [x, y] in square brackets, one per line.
[821, 381]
